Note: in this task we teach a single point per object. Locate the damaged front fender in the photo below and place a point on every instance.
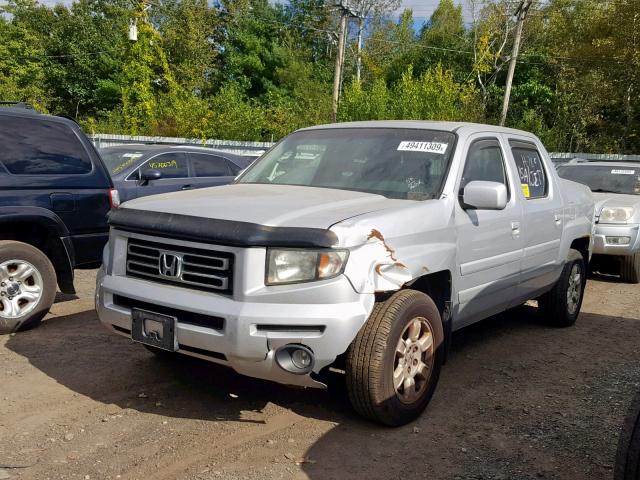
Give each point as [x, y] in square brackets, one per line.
[388, 258]
[374, 266]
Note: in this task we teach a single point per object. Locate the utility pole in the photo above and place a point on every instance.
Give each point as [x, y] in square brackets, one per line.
[521, 14]
[346, 12]
[339, 61]
[359, 59]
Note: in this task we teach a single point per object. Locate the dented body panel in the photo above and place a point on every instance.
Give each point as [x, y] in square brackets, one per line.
[494, 259]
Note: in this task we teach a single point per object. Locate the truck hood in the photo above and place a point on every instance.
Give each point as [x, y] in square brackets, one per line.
[271, 205]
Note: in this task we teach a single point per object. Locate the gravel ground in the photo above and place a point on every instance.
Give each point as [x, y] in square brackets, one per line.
[516, 400]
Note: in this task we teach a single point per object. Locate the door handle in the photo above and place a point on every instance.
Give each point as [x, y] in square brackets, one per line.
[558, 219]
[186, 187]
[515, 228]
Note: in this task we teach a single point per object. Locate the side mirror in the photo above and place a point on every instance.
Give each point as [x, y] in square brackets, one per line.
[147, 175]
[485, 195]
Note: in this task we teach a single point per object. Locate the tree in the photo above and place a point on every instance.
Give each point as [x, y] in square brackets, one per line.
[21, 55]
[190, 32]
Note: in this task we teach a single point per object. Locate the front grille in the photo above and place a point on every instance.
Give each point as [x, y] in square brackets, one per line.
[194, 268]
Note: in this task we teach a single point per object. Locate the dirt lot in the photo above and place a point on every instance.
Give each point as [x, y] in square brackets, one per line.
[516, 400]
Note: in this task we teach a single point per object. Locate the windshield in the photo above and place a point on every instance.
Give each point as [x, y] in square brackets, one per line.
[397, 163]
[118, 161]
[613, 179]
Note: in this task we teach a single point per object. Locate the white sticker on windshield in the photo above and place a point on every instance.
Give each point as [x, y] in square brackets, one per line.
[132, 155]
[429, 147]
[622, 172]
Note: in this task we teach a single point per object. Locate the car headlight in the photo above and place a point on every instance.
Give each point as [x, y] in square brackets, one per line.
[615, 214]
[294, 266]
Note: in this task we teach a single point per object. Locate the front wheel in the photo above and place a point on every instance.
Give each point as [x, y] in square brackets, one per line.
[561, 305]
[27, 286]
[394, 363]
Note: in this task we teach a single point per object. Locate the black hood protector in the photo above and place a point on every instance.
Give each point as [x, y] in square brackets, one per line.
[220, 232]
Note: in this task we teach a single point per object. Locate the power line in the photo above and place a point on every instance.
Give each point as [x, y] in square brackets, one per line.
[281, 23]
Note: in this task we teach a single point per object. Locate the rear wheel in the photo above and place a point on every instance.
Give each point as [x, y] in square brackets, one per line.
[630, 270]
[560, 306]
[394, 363]
[27, 286]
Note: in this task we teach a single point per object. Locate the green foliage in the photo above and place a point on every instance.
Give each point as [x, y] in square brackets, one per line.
[21, 74]
[434, 95]
[252, 70]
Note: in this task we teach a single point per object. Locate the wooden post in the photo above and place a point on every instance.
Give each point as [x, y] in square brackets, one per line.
[338, 69]
[521, 13]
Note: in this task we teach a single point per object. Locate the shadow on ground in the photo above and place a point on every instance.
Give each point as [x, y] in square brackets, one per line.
[510, 404]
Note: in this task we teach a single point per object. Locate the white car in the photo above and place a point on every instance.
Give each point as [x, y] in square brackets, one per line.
[616, 190]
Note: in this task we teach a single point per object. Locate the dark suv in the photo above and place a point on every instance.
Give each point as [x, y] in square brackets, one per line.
[55, 194]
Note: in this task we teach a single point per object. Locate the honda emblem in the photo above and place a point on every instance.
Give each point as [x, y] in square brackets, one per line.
[170, 265]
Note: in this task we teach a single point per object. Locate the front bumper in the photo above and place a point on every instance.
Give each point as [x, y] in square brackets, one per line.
[602, 246]
[251, 331]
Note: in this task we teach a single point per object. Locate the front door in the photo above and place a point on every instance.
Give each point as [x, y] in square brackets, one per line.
[489, 241]
[174, 170]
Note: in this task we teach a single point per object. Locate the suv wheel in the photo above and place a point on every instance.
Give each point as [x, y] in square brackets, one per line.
[561, 305]
[394, 363]
[27, 286]
[630, 271]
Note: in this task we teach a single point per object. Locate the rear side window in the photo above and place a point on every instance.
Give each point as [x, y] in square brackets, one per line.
[40, 147]
[533, 177]
[205, 165]
[171, 165]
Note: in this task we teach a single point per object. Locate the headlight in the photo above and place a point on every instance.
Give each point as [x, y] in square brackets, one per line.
[615, 214]
[293, 266]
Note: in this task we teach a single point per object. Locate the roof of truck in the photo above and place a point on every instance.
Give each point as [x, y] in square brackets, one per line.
[422, 124]
[582, 163]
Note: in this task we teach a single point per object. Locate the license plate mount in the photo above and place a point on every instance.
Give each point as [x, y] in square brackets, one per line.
[154, 329]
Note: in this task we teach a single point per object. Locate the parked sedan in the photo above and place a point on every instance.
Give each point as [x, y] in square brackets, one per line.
[616, 189]
[141, 170]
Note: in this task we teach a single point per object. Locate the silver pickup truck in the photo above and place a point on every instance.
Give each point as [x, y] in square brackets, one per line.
[358, 247]
[616, 191]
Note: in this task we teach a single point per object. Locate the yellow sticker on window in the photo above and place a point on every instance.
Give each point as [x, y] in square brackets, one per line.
[525, 190]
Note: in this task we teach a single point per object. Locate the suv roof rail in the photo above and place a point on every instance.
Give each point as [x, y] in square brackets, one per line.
[25, 105]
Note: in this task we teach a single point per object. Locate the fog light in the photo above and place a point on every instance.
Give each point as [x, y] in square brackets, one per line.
[301, 359]
[296, 359]
[618, 240]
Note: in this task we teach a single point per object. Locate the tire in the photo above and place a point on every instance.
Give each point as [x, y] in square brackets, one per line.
[628, 454]
[372, 359]
[630, 271]
[560, 306]
[27, 286]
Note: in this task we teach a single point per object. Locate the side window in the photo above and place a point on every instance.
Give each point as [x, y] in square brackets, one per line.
[32, 146]
[235, 169]
[172, 165]
[205, 165]
[533, 177]
[484, 162]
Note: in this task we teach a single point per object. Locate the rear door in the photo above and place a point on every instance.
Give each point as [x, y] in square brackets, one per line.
[489, 241]
[209, 170]
[174, 168]
[51, 164]
[543, 217]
